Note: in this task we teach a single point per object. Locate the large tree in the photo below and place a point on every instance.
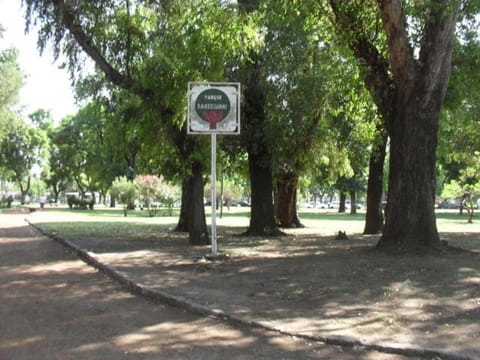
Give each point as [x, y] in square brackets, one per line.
[407, 75]
[255, 135]
[151, 50]
[296, 69]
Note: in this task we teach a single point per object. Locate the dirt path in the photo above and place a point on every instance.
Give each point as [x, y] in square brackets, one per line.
[53, 306]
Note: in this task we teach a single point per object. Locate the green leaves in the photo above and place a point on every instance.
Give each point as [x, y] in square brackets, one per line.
[22, 148]
[11, 81]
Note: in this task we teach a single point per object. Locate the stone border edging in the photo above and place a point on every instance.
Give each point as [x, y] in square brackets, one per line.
[182, 302]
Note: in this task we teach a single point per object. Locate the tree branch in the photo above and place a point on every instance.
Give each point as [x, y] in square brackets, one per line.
[374, 66]
[67, 17]
[401, 54]
[437, 43]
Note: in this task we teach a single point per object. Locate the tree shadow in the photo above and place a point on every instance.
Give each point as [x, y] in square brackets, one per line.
[316, 285]
[55, 307]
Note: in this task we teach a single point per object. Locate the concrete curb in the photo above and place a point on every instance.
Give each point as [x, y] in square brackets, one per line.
[184, 303]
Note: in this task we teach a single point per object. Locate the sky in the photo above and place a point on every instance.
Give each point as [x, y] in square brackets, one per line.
[46, 86]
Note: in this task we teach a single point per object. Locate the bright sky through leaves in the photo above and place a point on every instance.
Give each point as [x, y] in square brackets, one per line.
[46, 86]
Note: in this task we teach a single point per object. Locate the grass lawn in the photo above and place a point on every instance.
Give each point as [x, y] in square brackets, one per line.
[111, 223]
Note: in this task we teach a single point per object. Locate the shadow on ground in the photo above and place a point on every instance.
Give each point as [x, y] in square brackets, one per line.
[315, 285]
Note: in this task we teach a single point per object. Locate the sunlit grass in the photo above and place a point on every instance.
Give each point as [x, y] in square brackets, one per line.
[111, 223]
[102, 223]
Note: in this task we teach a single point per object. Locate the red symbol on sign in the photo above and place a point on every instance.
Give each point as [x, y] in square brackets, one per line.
[213, 117]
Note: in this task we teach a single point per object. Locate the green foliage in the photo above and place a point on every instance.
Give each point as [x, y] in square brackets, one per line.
[85, 151]
[41, 119]
[468, 178]
[150, 51]
[154, 191]
[126, 191]
[11, 81]
[459, 137]
[22, 148]
[466, 187]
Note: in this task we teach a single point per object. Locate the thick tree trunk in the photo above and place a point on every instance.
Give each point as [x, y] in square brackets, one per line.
[192, 210]
[341, 206]
[410, 224]
[197, 226]
[262, 220]
[353, 202]
[182, 225]
[286, 207]
[410, 217]
[374, 216]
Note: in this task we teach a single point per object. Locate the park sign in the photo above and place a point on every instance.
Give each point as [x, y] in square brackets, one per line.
[213, 108]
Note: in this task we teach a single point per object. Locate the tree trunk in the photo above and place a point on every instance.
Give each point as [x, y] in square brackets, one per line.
[192, 211]
[341, 205]
[262, 220]
[56, 192]
[23, 189]
[410, 224]
[374, 216]
[353, 202]
[197, 225]
[286, 207]
[182, 225]
[410, 217]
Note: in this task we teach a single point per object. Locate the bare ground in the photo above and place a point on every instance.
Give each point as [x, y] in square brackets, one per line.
[54, 306]
[315, 286]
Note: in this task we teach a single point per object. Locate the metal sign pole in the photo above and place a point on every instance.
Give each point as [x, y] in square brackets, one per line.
[214, 193]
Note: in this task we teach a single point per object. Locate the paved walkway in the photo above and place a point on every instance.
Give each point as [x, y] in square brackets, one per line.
[54, 306]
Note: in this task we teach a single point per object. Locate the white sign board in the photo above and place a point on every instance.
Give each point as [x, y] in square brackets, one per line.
[214, 108]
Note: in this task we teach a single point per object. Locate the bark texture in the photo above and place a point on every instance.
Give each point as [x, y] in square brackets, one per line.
[182, 224]
[286, 209]
[341, 205]
[374, 216]
[196, 223]
[262, 219]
